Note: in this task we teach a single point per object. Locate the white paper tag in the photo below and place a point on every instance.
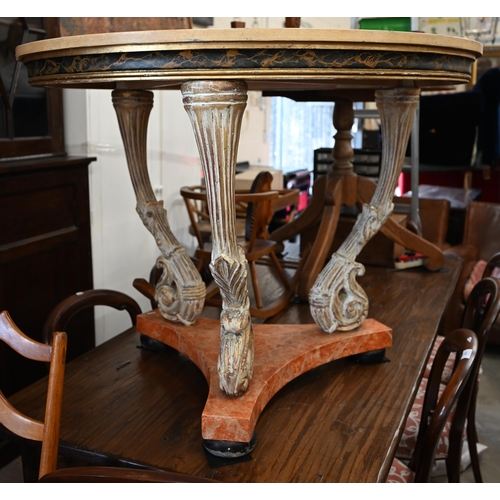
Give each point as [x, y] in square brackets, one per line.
[466, 354]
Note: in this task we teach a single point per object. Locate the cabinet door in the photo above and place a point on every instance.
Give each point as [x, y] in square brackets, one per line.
[45, 256]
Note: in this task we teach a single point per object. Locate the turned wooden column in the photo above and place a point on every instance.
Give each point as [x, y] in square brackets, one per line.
[215, 109]
[337, 300]
[180, 292]
[342, 152]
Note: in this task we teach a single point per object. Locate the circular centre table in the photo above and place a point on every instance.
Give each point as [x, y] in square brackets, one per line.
[214, 69]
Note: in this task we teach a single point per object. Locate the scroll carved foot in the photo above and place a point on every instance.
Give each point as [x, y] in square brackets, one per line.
[180, 293]
[337, 300]
[178, 303]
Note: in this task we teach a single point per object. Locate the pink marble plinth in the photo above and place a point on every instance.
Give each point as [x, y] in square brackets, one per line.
[282, 353]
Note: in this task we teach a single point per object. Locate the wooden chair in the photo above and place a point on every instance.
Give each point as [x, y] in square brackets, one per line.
[260, 203]
[481, 311]
[70, 307]
[437, 407]
[48, 431]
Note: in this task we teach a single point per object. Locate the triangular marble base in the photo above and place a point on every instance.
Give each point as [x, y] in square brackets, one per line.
[282, 353]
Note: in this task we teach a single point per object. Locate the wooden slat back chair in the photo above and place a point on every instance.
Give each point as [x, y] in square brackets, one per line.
[46, 432]
[256, 243]
[436, 409]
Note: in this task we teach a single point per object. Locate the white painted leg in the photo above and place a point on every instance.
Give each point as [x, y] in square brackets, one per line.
[216, 109]
[180, 292]
[337, 301]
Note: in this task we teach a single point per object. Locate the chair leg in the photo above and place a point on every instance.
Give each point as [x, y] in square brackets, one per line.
[472, 437]
[454, 458]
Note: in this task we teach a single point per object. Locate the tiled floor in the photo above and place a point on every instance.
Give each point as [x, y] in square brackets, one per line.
[488, 424]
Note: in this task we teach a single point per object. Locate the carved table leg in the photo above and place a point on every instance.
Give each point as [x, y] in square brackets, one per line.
[180, 292]
[216, 109]
[337, 300]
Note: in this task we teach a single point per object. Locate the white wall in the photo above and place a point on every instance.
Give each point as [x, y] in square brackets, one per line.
[122, 248]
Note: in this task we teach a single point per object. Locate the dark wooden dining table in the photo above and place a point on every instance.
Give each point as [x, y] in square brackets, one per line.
[341, 422]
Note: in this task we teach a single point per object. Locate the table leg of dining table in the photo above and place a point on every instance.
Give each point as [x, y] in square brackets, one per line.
[215, 109]
[180, 292]
[337, 300]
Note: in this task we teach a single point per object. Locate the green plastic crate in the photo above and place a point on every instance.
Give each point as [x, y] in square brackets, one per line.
[386, 23]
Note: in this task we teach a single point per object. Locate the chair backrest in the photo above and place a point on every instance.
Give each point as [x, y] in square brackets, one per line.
[46, 432]
[482, 307]
[195, 199]
[74, 304]
[435, 411]
[434, 216]
[257, 213]
[481, 228]
[491, 265]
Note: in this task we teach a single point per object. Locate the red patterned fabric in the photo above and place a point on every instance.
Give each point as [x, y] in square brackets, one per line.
[400, 473]
[409, 437]
[474, 278]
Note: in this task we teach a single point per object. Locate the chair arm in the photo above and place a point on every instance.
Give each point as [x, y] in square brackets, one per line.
[199, 193]
[286, 198]
[256, 197]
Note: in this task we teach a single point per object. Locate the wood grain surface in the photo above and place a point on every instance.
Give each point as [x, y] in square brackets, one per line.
[337, 423]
